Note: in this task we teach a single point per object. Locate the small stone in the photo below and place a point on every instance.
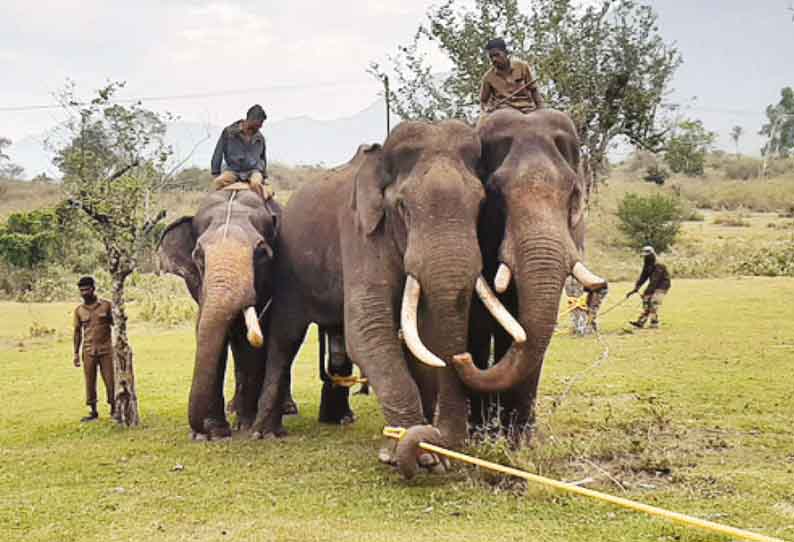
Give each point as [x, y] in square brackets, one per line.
[120, 490]
[178, 467]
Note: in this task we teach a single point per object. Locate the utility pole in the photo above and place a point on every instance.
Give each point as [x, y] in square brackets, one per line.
[388, 112]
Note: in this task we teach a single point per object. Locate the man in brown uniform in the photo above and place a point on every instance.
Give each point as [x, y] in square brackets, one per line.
[92, 322]
[509, 83]
[242, 148]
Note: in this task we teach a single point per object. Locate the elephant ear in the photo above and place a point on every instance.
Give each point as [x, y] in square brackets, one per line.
[368, 187]
[175, 253]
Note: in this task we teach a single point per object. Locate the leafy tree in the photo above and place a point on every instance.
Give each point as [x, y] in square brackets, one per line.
[650, 220]
[780, 128]
[686, 150]
[736, 134]
[605, 64]
[113, 159]
[8, 169]
[29, 239]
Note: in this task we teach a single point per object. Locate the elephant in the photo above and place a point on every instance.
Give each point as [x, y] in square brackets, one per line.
[531, 232]
[225, 255]
[386, 246]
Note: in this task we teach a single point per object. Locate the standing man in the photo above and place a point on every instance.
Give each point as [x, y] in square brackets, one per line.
[92, 322]
[242, 147]
[509, 82]
[658, 285]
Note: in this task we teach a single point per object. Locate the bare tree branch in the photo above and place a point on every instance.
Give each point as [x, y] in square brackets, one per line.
[123, 170]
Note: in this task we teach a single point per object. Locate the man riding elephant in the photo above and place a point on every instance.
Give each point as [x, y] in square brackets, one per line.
[242, 147]
[509, 83]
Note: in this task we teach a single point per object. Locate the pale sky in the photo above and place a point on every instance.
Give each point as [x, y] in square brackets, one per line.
[309, 57]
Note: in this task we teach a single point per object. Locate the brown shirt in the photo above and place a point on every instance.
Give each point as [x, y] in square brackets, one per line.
[94, 321]
[498, 88]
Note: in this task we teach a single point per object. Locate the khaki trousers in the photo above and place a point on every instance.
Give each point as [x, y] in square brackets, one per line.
[230, 177]
[103, 362]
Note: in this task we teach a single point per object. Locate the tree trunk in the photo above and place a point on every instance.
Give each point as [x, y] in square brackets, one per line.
[126, 400]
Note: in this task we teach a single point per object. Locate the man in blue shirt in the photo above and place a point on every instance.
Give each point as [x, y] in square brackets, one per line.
[242, 148]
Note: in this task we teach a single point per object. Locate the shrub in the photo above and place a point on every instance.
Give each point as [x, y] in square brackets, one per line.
[770, 261]
[650, 220]
[743, 168]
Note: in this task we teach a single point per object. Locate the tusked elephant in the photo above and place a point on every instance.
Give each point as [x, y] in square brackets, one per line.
[532, 237]
[387, 242]
[225, 254]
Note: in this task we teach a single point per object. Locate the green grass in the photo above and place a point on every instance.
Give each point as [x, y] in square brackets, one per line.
[695, 417]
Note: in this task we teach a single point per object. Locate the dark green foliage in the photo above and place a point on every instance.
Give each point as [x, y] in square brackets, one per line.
[605, 64]
[30, 239]
[686, 150]
[650, 220]
[780, 128]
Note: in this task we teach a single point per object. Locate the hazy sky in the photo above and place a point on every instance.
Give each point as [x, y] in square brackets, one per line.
[309, 57]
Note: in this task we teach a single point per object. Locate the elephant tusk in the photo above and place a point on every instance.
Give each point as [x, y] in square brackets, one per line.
[408, 317]
[503, 278]
[589, 280]
[254, 331]
[499, 311]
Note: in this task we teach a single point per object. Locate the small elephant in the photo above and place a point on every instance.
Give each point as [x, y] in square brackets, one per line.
[386, 243]
[225, 255]
[532, 237]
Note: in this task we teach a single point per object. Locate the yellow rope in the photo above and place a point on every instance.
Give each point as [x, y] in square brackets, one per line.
[690, 521]
[576, 303]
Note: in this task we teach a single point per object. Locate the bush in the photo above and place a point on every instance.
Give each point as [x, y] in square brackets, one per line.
[743, 168]
[650, 220]
[769, 261]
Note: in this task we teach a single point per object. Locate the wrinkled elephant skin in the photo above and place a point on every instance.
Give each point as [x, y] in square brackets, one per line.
[225, 253]
[350, 244]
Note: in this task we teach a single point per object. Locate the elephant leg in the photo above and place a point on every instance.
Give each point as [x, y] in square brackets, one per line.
[335, 400]
[249, 365]
[519, 412]
[284, 340]
[215, 425]
[371, 338]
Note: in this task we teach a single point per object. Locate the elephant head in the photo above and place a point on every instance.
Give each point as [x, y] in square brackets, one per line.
[536, 205]
[421, 194]
[224, 254]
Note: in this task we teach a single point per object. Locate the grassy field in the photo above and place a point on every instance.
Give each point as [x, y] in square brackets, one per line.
[695, 417]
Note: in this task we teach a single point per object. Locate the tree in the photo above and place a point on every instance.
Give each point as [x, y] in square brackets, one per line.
[780, 128]
[686, 149]
[113, 159]
[29, 239]
[736, 133]
[606, 65]
[650, 220]
[9, 170]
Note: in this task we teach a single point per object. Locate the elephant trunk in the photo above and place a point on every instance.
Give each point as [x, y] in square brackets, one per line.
[540, 268]
[228, 291]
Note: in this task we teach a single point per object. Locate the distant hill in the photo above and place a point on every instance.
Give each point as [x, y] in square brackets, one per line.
[295, 141]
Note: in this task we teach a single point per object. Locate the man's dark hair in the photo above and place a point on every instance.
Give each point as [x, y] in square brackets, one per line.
[256, 113]
[85, 281]
[496, 43]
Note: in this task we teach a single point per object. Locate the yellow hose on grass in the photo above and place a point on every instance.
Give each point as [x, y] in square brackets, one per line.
[683, 519]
